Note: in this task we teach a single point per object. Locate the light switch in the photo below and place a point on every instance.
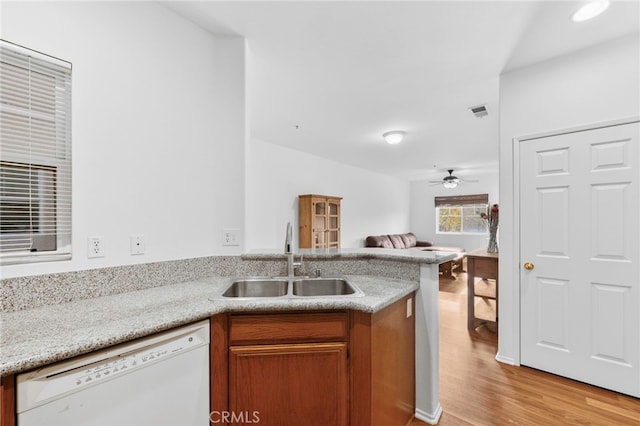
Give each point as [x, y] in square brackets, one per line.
[409, 307]
[230, 237]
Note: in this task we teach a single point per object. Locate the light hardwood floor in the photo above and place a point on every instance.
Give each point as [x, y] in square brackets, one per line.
[475, 389]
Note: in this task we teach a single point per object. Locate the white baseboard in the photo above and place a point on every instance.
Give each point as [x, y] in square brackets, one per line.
[431, 418]
[506, 359]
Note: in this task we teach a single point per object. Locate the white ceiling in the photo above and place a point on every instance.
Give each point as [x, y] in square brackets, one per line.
[347, 71]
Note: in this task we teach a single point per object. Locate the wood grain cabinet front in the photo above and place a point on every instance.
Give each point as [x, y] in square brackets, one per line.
[281, 368]
[7, 401]
[293, 384]
[325, 368]
[288, 327]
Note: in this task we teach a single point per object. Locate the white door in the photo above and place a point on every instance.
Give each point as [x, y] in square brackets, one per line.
[579, 214]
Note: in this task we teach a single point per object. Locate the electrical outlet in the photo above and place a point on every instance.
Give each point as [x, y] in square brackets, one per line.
[409, 307]
[95, 247]
[137, 244]
[230, 237]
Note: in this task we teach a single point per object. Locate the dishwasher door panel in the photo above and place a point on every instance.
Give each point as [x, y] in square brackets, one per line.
[170, 392]
[160, 394]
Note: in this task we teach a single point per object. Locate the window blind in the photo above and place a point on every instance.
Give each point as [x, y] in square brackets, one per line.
[35, 156]
[461, 200]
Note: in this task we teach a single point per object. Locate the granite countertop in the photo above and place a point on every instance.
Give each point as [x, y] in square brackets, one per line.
[35, 337]
[407, 255]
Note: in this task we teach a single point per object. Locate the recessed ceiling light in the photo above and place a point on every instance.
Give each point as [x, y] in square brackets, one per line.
[394, 137]
[590, 10]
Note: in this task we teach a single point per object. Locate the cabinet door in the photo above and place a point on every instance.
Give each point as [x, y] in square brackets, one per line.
[333, 224]
[319, 223]
[297, 384]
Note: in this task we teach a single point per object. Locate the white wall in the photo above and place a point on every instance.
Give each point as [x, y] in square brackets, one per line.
[158, 127]
[423, 211]
[597, 84]
[372, 203]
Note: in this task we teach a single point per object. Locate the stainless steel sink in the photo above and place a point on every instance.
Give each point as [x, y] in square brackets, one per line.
[323, 287]
[291, 288]
[257, 288]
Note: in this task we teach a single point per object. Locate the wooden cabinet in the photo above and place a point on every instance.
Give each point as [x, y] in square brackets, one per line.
[321, 368]
[287, 368]
[319, 218]
[382, 360]
[7, 401]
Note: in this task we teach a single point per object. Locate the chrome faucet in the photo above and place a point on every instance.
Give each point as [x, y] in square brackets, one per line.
[287, 240]
[291, 265]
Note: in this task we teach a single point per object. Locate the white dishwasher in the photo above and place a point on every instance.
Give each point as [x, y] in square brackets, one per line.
[162, 379]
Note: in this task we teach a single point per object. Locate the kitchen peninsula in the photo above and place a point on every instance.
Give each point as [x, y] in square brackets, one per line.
[144, 299]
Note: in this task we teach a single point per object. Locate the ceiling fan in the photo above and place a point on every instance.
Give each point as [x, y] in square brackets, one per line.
[451, 181]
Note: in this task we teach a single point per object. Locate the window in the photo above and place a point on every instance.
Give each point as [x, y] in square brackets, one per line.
[35, 156]
[461, 214]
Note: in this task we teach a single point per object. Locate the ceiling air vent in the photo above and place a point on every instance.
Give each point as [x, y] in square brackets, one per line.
[479, 111]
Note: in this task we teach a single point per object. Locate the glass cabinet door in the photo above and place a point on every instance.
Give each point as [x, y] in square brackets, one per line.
[333, 224]
[319, 224]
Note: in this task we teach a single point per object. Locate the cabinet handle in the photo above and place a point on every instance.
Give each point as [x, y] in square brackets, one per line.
[529, 266]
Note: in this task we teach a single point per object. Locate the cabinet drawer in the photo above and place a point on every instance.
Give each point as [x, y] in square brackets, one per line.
[485, 268]
[283, 327]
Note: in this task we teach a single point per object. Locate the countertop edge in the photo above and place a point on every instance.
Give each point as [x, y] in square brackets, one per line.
[401, 255]
[170, 308]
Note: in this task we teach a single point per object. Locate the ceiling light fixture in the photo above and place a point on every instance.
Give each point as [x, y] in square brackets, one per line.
[394, 137]
[450, 181]
[590, 10]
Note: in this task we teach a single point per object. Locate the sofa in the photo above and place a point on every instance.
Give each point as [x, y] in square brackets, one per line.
[410, 242]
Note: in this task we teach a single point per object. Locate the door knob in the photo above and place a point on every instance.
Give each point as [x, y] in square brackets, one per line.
[528, 266]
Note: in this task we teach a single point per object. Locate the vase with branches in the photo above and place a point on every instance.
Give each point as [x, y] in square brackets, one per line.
[491, 219]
